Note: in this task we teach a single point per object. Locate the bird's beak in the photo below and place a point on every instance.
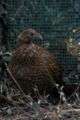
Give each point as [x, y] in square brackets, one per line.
[38, 37]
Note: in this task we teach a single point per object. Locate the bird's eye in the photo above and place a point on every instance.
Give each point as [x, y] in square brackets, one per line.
[31, 34]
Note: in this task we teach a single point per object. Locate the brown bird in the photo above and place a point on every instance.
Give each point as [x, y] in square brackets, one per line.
[32, 65]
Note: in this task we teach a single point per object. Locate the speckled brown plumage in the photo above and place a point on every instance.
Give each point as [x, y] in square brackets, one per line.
[33, 65]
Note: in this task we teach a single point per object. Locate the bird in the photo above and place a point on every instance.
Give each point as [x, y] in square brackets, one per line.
[32, 65]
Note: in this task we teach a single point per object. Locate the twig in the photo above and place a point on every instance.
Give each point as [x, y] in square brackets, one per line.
[15, 81]
[4, 99]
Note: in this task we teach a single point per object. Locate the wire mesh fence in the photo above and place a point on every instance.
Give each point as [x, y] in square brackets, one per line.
[54, 19]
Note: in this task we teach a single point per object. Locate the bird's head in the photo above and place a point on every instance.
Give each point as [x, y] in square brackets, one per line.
[27, 36]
